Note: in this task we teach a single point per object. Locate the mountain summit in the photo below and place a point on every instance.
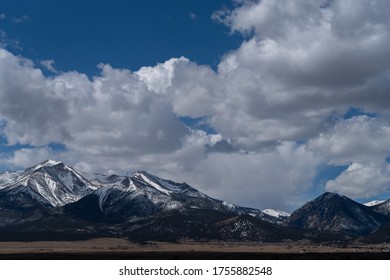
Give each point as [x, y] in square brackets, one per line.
[53, 200]
[143, 195]
[50, 183]
[29, 195]
[335, 213]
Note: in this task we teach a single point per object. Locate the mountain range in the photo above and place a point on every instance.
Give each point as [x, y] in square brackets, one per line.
[53, 201]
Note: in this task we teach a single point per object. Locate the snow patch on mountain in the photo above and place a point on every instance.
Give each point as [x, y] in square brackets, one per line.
[123, 186]
[48, 162]
[53, 184]
[153, 184]
[49, 183]
[229, 206]
[374, 202]
[276, 213]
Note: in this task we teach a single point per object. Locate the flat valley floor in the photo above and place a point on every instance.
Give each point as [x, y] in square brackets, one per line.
[121, 249]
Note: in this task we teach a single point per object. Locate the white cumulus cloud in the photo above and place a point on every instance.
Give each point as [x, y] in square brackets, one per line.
[276, 104]
[361, 180]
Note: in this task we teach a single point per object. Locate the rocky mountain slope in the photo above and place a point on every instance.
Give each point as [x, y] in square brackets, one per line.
[335, 213]
[51, 193]
[52, 201]
[382, 208]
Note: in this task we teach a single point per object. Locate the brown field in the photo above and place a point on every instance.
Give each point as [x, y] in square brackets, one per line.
[109, 248]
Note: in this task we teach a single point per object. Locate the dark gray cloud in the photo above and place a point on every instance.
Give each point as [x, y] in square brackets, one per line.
[223, 146]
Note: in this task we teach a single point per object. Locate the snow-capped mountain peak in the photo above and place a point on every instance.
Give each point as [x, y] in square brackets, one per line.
[146, 178]
[49, 183]
[46, 163]
[374, 202]
[144, 204]
[276, 213]
[164, 186]
[51, 162]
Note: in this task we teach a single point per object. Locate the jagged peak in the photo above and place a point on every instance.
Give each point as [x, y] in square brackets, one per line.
[51, 162]
[141, 175]
[46, 163]
[140, 172]
[374, 203]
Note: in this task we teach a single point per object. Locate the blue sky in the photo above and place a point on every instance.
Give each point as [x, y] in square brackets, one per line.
[78, 35]
[261, 103]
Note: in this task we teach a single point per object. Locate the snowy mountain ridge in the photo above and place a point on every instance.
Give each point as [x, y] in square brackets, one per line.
[50, 183]
[276, 213]
[55, 199]
[374, 203]
[54, 184]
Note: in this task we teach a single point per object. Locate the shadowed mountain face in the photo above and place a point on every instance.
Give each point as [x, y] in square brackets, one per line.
[29, 195]
[52, 201]
[335, 213]
[53, 197]
[142, 195]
